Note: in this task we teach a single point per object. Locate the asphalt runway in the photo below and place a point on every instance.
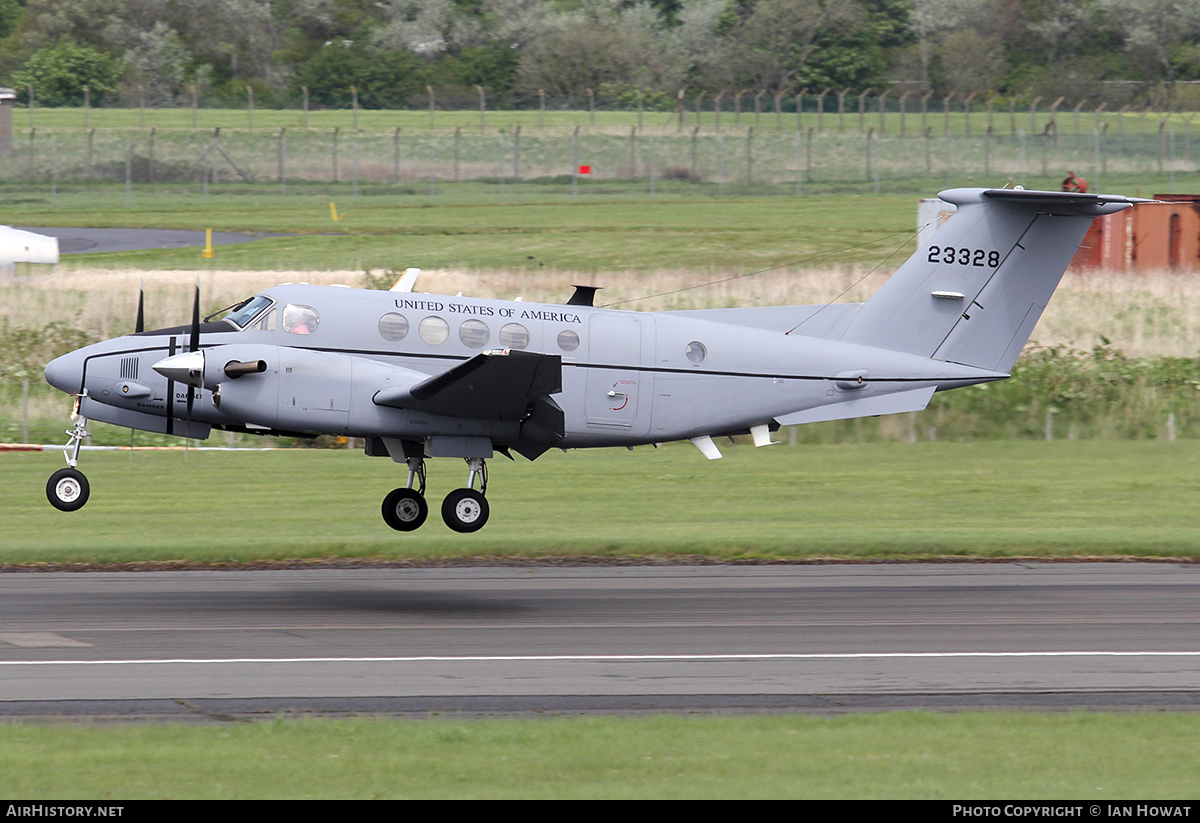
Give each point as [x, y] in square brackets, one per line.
[79, 240]
[216, 645]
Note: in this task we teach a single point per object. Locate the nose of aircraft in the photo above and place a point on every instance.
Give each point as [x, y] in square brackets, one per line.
[66, 373]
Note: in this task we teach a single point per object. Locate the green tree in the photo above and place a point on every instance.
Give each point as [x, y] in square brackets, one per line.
[59, 72]
[384, 79]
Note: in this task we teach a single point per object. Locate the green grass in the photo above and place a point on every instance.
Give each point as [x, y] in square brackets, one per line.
[855, 501]
[971, 755]
[679, 233]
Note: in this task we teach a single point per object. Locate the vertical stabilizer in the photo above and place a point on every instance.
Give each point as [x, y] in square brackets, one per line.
[974, 290]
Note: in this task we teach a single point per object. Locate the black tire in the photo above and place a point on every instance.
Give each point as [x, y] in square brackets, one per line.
[67, 490]
[465, 510]
[404, 510]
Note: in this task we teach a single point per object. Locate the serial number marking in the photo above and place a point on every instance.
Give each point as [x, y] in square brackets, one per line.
[964, 256]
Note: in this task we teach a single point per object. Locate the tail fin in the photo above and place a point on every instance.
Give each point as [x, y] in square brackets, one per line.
[974, 292]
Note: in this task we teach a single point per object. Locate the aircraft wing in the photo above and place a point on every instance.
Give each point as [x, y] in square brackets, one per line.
[492, 385]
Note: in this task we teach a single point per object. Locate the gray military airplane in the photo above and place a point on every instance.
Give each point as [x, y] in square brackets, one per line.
[421, 375]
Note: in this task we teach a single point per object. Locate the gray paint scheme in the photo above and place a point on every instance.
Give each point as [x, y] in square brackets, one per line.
[956, 313]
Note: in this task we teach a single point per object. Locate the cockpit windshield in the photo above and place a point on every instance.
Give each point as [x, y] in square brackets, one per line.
[244, 314]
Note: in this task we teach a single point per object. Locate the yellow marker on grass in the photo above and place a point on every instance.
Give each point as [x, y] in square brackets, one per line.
[208, 250]
[333, 213]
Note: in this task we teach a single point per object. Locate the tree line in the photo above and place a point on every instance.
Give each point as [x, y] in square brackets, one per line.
[611, 53]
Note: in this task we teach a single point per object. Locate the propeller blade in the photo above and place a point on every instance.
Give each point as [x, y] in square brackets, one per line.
[195, 347]
[139, 325]
[195, 341]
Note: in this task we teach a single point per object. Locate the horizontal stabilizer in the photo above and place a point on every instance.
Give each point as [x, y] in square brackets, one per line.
[493, 385]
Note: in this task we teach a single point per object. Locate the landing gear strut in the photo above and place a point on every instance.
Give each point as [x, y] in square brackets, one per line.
[464, 510]
[67, 490]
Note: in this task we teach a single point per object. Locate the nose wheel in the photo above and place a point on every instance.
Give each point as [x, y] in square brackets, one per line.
[464, 510]
[67, 490]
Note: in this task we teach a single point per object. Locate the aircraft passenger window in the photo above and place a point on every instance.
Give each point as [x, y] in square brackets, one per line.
[393, 327]
[474, 333]
[300, 319]
[568, 340]
[514, 336]
[434, 330]
[696, 352]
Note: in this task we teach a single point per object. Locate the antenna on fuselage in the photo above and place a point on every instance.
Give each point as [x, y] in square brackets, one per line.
[584, 296]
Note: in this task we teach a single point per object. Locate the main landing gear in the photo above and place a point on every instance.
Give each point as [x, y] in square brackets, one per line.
[464, 510]
[67, 489]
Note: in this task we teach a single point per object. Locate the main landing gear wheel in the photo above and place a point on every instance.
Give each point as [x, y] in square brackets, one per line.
[465, 510]
[405, 509]
[67, 490]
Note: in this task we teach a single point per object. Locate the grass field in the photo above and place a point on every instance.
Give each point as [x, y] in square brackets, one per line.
[904, 501]
[909, 755]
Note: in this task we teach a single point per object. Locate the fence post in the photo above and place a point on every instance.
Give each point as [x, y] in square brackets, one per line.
[517, 154]
[1032, 116]
[967, 115]
[821, 109]
[482, 109]
[778, 111]
[633, 156]
[862, 109]
[800, 108]
[457, 134]
[750, 155]
[304, 91]
[87, 105]
[808, 166]
[758, 106]
[870, 134]
[429, 91]
[695, 165]
[196, 104]
[1077, 108]
[799, 164]
[737, 109]
[335, 148]
[928, 151]
[150, 159]
[903, 98]
[575, 162]
[541, 110]
[717, 111]
[842, 108]
[354, 106]
[250, 108]
[591, 109]
[396, 155]
[882, 104]
[282, 164]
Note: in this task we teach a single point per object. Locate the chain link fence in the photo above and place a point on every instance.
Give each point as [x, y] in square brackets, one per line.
[726, 154]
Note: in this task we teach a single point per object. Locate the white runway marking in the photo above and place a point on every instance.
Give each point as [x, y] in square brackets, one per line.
[600, 658]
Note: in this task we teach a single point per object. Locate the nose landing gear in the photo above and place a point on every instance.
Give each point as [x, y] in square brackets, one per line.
[464, 510]
[67, 489]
